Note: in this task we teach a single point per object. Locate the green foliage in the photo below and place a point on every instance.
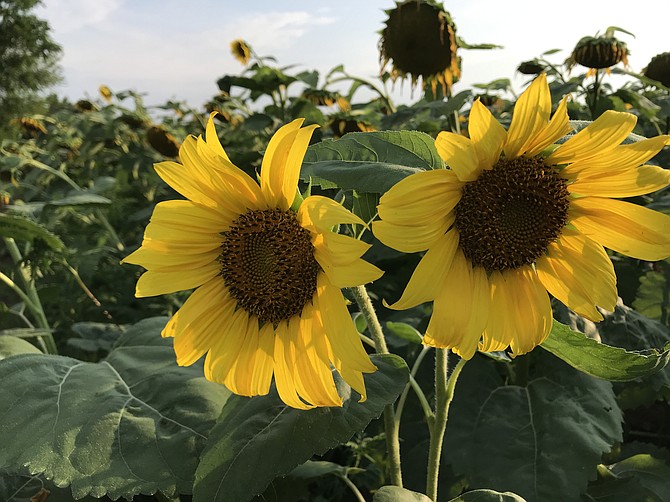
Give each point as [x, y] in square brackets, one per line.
[513, 437]
[603, 361]
[28, 58]
[369, 162]
[132, 423]
[256, 440]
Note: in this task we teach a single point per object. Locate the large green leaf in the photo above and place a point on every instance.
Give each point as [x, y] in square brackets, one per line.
[603, 361]
[542, 441]
[369, 161]
[24, 229]
[487, 496]
[397, 494]
[653, 298]
[256, 440]
[133, 423]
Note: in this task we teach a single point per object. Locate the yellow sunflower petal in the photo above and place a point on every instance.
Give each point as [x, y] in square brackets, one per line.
[153, 283]
[412, 238]
[432, 185]
[221, 356]
[603, 134]
[321, 214]
[530, 117]
[284, 366]
[626, 228]
[282, 161]
[531, 312]
[559, 126]
[200, 321]
[350, 275]
[340, 329]
[487, 134]
[187, 214]
[353, 377]
[460, 311]
[500, 326]
[340, 249]
[459, 153]
[313, 375]
[193, 185]
[578, 272]
[159, 261]
[621, 157]
[250, 373]
[213, 139]
[621, 182]
[430, 274]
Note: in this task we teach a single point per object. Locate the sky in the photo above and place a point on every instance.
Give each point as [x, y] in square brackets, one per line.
[169, 49]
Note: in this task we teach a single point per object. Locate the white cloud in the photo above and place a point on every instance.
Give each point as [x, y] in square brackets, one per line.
[67, 16]
[273, 31]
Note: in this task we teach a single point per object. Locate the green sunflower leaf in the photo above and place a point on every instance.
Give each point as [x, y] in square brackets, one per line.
[133, 423]
[369, 161]
[487, 496]
[13, 345]
[397, 494]
[542, 441]
[603, 361]
[258, 439]
[22, 228]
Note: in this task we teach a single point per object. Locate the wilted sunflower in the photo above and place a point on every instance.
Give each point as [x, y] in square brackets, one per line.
[514, 218]
[659, 69]
[268, 269]
[599, 52]
[419, 37]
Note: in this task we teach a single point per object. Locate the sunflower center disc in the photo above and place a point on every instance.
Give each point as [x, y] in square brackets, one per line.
[267, 263]
[511, 213]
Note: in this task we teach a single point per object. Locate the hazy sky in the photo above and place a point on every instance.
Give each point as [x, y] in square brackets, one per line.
[178, 49]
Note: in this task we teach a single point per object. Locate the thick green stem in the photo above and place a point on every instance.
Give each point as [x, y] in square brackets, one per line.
[392, 437]
[444, 393]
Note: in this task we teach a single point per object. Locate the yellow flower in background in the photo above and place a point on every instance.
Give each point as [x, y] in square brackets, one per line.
[240, 51]
[267, 277]
[514, 218]
[106, 93]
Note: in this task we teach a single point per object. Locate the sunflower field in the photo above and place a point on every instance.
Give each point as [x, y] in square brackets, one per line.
[293, 294]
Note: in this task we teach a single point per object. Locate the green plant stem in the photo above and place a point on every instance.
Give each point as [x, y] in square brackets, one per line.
[444, 393]
[392, 438]
[29, 294]
[353, 488]
[427, 411]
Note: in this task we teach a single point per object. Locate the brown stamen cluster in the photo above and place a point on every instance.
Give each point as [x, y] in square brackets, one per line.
[511, 213]
[267, 263]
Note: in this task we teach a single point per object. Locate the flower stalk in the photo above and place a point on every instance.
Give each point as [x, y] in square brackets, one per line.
[444, 394]
[392, 437]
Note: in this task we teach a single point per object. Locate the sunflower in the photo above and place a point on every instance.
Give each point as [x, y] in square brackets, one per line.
[515, 218]
[267, 268]
[240, 51]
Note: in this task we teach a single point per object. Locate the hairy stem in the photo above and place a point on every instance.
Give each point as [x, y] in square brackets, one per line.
[392, 437]
[444, 393]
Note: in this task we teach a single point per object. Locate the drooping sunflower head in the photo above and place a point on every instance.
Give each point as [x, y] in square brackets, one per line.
[516, 217]
[419, 39]
[599, 52]
[267, 268]
[240, 51]
[30, 127]
[659, 69]
[162, 141]
[531, 67]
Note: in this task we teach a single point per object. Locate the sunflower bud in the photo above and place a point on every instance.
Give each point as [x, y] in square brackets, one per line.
[419, 38]
[659, 69]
